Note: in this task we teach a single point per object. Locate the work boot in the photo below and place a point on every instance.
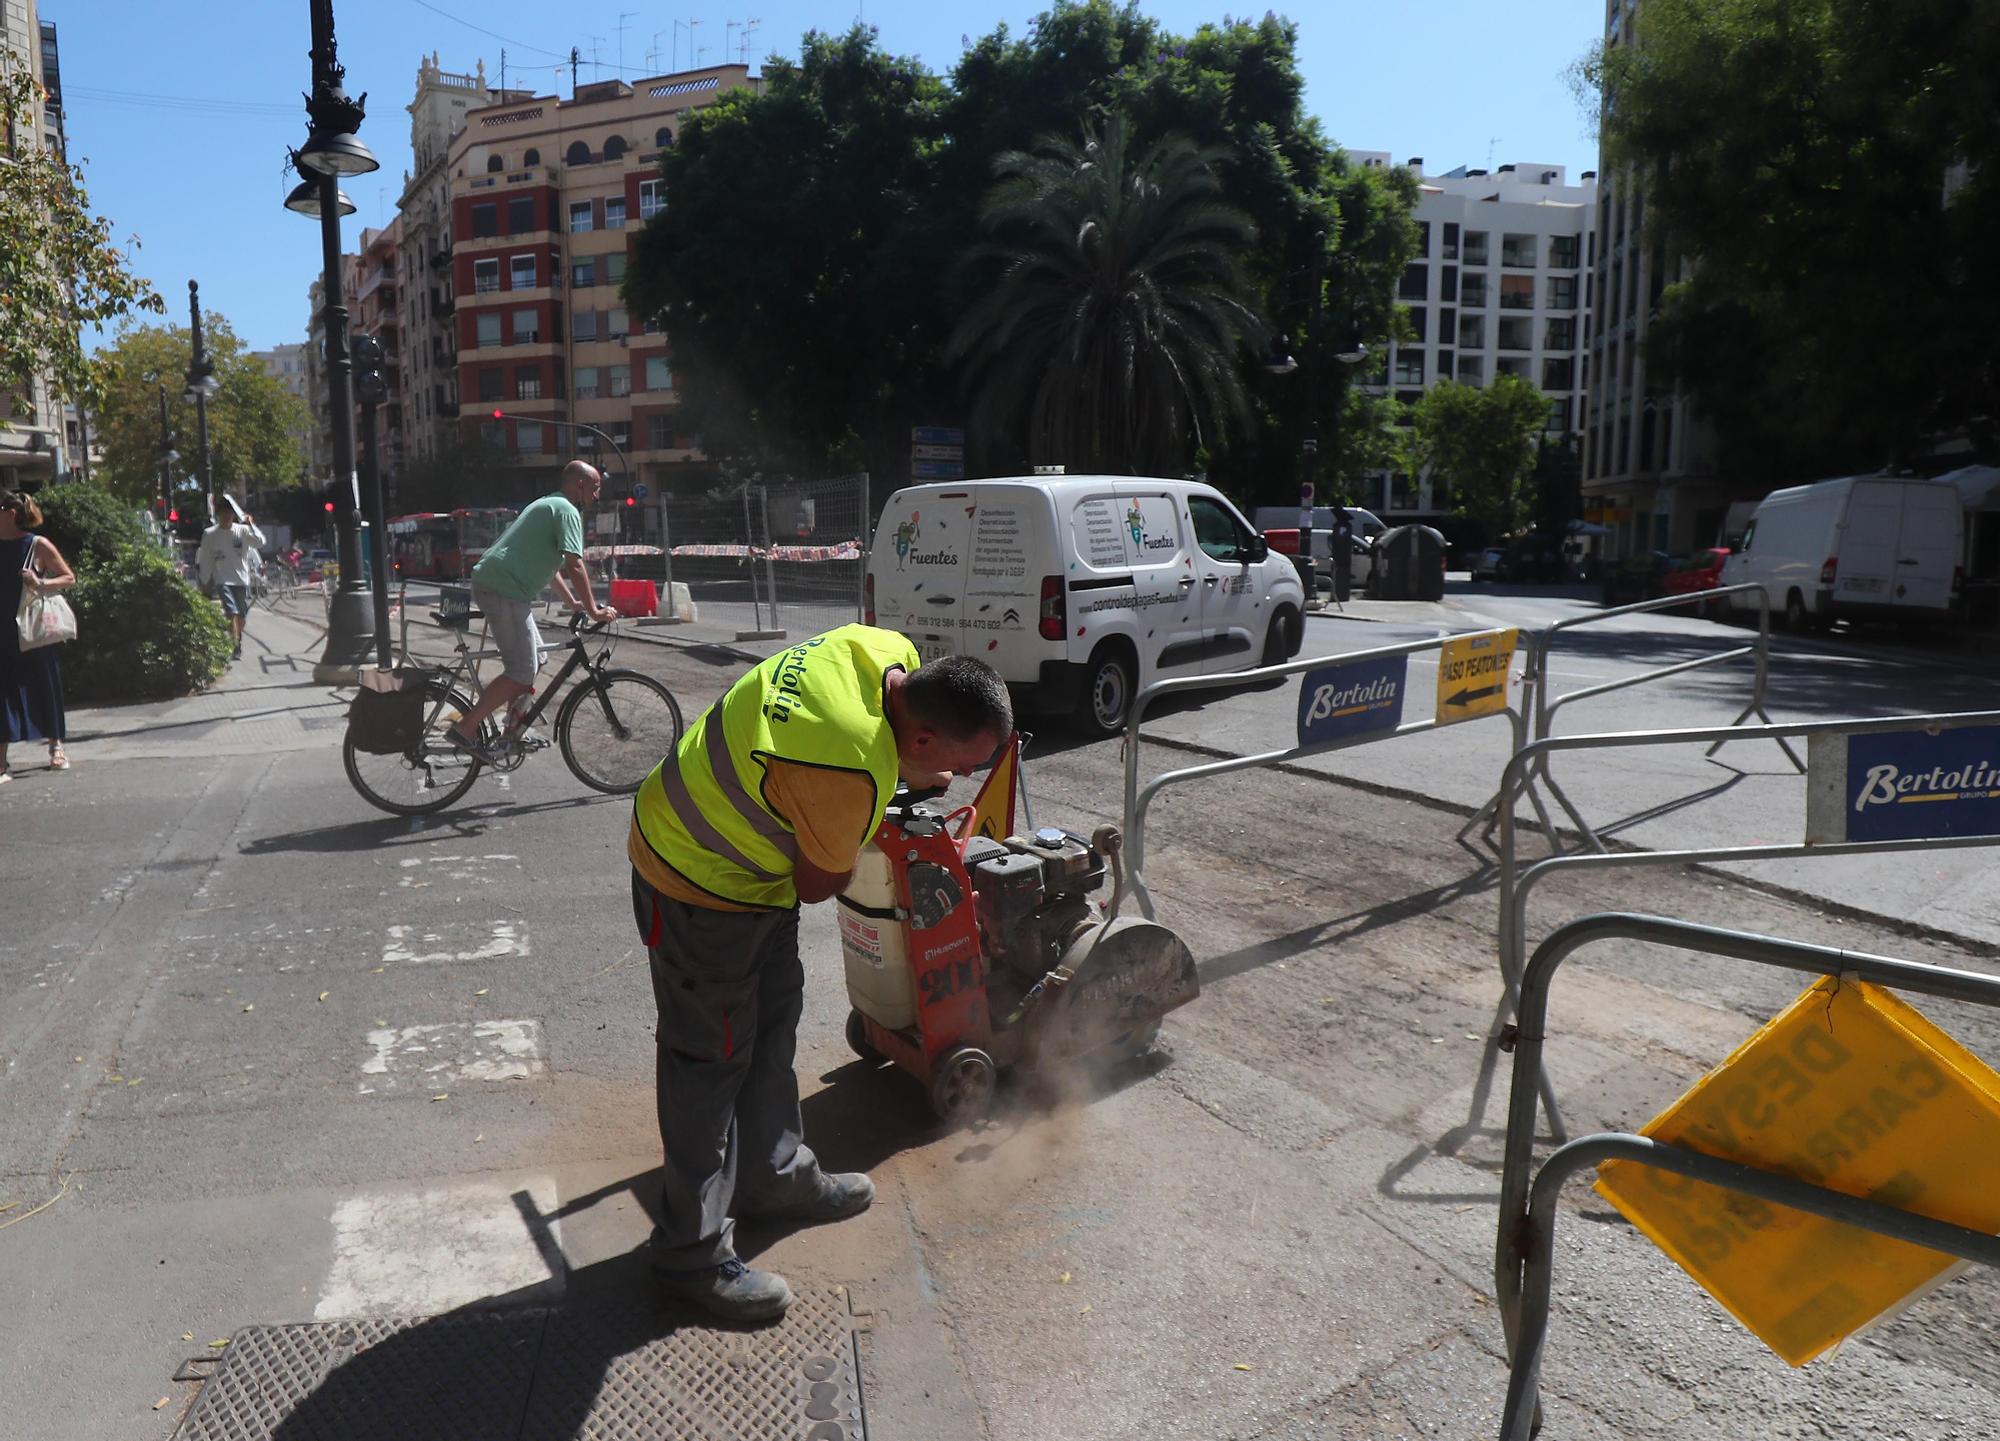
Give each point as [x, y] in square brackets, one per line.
[841, 1194]
[732, 1291]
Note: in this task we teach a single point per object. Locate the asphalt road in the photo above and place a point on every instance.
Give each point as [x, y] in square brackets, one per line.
[268, 1056]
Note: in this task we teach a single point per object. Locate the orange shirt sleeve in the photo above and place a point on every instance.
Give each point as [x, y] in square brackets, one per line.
[831, 811]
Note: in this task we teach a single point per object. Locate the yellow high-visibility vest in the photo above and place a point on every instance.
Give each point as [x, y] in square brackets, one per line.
[703, 812]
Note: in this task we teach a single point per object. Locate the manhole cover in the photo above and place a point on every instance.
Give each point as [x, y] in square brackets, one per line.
[610, 1373]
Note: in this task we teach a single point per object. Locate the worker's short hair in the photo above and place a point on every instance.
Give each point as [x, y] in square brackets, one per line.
[959, 697]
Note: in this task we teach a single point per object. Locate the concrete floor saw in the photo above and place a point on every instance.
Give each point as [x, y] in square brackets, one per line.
[970, 950]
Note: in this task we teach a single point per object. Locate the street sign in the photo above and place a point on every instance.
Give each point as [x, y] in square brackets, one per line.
[639, 491]
[1902, 785]
[1306, 494]
[1336, 701]
[938, 470]
[1848, 1088]
[936, 435]
[937, 452]
[1473, 674]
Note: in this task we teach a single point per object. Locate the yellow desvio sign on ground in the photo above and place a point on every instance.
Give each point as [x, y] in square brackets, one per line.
[1849, 1088]
[1473, 673]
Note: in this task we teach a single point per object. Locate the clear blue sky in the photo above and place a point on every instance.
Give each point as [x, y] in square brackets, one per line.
[199, 175]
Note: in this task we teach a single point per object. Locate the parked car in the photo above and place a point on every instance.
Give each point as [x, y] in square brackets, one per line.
[1082, 589]
[1699, 572]
[1487, 566]
[1639, 576]
[1864, 547]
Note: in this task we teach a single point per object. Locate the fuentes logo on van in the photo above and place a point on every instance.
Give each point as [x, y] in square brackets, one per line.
[933, 557]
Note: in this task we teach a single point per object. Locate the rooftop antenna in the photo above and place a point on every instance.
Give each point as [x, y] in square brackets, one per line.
[623, 16]
[574, 60]
[694, 55]
[749, 29]
[503, 68]
[1491, 146]
[653, 55]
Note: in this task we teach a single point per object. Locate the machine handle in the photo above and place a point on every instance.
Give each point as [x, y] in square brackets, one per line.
[969, 814]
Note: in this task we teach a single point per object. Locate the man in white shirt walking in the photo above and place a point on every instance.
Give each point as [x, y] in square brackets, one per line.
[226, 562]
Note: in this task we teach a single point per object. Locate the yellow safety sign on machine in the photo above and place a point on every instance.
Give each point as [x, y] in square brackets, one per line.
[1849, 1088]
[1473, 674]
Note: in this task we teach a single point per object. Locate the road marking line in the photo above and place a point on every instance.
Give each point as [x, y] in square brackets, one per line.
[422, 1057]
[407, 946]
[431, 1251]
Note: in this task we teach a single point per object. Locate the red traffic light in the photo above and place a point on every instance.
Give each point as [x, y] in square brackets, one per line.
[173, 516]
[630, 501]
[498, 415]
[329, 507]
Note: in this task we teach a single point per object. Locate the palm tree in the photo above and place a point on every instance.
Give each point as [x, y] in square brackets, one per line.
[1110, 336]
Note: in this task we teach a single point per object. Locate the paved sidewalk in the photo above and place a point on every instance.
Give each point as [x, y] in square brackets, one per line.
[267, 703]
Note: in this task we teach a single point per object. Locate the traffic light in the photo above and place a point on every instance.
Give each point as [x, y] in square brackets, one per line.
[499, 415]
[329, 507]
[371, 387]
[629, 501]
[173, 517]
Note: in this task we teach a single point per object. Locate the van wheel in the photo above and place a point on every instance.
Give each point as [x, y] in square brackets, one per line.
[1106, 701]
[1795, 612]
[1283, 639]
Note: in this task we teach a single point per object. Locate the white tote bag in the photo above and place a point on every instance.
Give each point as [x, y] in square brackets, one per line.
[42, 618]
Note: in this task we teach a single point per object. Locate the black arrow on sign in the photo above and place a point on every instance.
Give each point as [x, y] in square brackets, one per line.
[1467, 697]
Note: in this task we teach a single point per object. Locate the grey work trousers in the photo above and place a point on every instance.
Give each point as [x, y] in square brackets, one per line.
[730, 989]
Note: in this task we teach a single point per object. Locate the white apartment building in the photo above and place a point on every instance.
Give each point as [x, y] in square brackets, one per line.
[1500, 285]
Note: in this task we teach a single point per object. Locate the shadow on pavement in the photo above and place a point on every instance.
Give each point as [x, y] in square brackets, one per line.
[375, 834]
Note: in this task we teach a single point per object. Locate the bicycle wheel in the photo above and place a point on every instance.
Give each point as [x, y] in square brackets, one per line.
[427, 777]
[615, 728]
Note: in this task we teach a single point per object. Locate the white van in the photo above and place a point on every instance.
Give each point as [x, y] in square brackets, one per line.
[1083, 589]
[1867, 547]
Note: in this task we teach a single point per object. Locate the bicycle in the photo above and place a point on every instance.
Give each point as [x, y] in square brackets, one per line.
[612, 729]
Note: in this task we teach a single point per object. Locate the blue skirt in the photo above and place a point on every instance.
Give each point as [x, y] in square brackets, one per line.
[31, 700]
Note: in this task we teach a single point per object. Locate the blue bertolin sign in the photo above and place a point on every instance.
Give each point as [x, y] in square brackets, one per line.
[1344, 700]
[1903, 785]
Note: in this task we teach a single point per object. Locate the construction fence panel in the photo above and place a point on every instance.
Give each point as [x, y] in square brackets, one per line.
[814, 536]
[708, 543]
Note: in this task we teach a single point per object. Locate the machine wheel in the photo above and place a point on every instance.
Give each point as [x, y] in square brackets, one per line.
[1107, 694]
[858, 1042]
[962, 1085]
[1795, 612]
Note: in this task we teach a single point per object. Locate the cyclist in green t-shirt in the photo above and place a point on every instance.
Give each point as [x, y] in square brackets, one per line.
[544, 545]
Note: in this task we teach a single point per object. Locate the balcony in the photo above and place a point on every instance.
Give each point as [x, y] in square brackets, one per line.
[441, 259]
[1517, 300]
[1475, 254]
[1517, 257]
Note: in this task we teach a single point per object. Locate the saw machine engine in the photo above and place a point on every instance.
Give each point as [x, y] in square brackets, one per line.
[966, 955]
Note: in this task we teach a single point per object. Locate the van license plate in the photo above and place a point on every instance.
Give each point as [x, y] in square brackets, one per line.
[1869, 584]
[931, 648]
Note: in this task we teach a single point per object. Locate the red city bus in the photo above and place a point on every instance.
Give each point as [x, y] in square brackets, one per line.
[444, 546]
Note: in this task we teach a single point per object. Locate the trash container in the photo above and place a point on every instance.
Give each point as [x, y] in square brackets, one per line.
[1409, 564]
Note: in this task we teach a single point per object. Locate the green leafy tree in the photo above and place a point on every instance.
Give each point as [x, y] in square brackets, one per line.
[1108, 336]
[797, 264]
[1831, 172]
[1481, 444]
[807, 265]
[253, 421]
[59, 270]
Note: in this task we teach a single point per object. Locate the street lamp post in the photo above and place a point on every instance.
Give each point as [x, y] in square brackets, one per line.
[201, 384]
[333, 148]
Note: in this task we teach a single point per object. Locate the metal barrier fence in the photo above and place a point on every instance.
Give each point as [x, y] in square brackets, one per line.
[1537, 698]
[814, 536]
[1138, 799]
[1524, 1248]
[772, 557]
[1517, 884]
